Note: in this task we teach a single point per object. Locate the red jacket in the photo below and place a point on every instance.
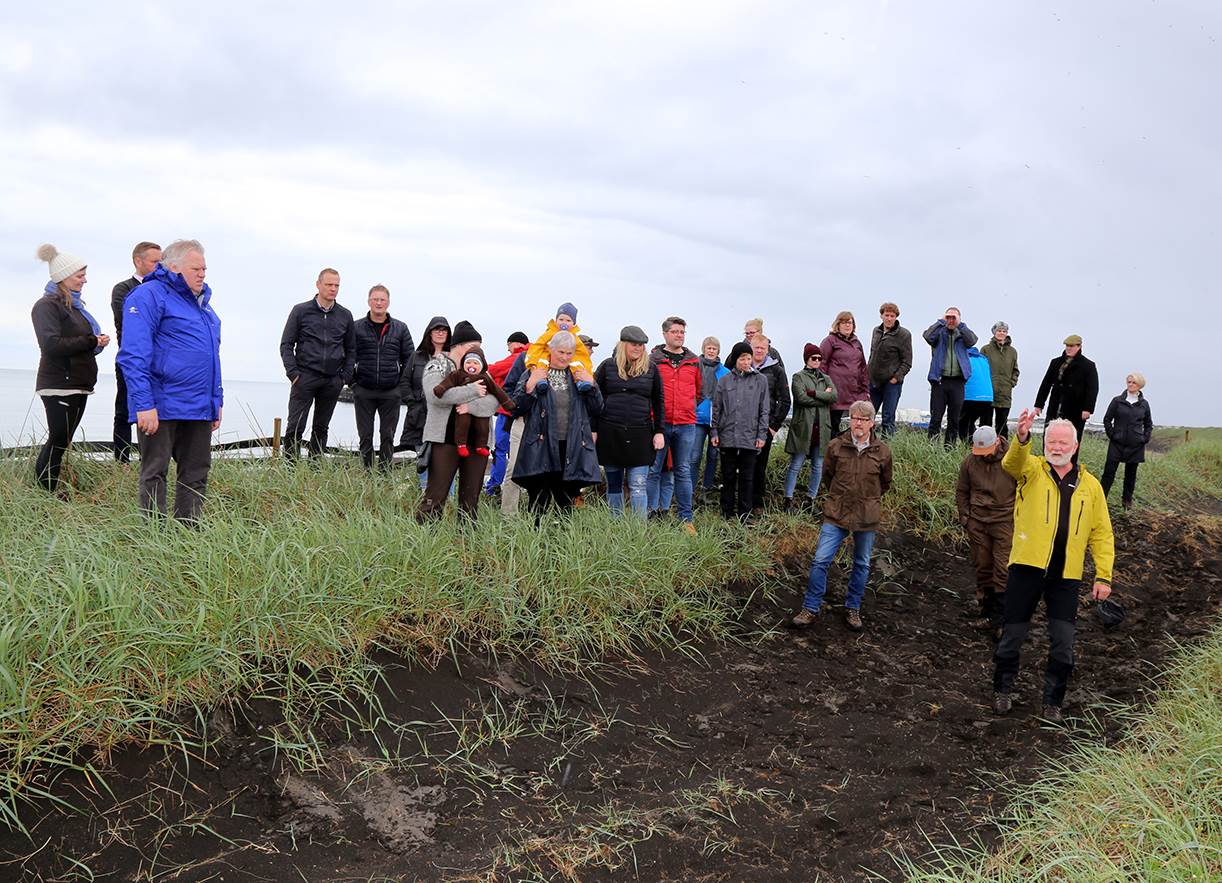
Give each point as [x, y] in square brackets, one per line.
[498, 371]
[680, 385]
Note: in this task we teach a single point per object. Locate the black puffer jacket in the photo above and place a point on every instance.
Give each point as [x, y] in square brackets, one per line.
[318, 340]
[779, 398]
[1128, 427]
[631, 416]
[382, 351]
[67, 342]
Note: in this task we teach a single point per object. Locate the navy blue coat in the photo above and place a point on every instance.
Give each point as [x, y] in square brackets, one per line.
[171, 352]
[539, 453]
[936, 336]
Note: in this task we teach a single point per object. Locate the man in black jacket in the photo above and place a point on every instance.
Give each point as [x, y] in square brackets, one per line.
[1070, 387]
[318, 348]
[383, 347]
[145, 257]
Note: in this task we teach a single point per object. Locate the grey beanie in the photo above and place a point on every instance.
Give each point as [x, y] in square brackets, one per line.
[1000, 326]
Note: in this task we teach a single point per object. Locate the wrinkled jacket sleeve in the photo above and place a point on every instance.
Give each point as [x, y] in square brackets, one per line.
[118, 295]
[885, 474]
[1050, 377]
[349, 369]
[967, 335]
[780, 409]
[1102, 541]
[1018, 459]
[762, 425]
[288, 344]
[963, 492]
[1109, 420]
[905, 348]
[136, 355]
[1014, 374]
[405, 352]
[932, 332]
[1147, 423]
[657, 399]
[1091, 396]
[718, 408]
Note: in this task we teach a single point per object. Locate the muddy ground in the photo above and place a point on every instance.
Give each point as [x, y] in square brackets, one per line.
[787, 756]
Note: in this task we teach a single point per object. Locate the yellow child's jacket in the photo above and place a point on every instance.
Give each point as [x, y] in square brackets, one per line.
[536, 354]
[1036, 509]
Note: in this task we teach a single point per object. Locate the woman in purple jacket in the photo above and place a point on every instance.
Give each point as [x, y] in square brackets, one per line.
[844, 360]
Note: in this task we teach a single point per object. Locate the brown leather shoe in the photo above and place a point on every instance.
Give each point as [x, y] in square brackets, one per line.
[804, 618]
[852, 618]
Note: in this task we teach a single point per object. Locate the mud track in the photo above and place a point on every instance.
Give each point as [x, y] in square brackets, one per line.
[783, 757]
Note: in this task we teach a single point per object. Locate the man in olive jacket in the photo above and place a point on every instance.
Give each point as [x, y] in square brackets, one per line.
[890, 362]
[857, 468]
[1003, 366]
[1059, 513]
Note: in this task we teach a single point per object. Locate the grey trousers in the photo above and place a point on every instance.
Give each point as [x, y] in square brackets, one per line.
[510, 490]
[189, 443]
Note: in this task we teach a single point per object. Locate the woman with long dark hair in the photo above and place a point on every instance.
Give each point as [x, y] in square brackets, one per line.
[69, 340]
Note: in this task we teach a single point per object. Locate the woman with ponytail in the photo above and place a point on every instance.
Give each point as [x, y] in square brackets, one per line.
[69, 339]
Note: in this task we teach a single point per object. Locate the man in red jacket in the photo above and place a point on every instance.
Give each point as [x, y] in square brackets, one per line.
[679, 369]
[498, 371]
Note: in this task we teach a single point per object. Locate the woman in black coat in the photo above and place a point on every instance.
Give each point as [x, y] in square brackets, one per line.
[69, 340]
[629, 430]
[436, 340]
[1128, 426]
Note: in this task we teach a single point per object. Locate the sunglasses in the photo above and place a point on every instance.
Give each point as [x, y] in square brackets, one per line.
[815, 359]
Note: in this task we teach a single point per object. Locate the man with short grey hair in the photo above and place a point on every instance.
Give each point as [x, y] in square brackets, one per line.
[168, 321]
[949, 370]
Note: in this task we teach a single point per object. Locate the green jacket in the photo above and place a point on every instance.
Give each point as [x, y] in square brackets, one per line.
[813, 394]
[1003, 363]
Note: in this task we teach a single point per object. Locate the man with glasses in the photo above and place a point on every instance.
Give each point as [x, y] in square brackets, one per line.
[857, 468]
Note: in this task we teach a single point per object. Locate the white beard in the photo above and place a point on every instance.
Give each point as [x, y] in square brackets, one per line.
[1060, 459]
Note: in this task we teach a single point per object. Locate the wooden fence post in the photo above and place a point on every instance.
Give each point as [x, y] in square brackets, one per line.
[276, 437]
[1187, 434]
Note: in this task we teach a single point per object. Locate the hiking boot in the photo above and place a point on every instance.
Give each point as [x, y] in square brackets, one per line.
[787, 505]
[852, 618]
[689, 528]
[804, 618]
[1002, 703]
[1051, 714]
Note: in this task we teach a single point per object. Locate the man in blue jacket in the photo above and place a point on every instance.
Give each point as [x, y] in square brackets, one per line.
[949, 370]
[171, 359]
[318, 348]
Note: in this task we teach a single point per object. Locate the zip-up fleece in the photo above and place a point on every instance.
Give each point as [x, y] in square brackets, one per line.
[1036, 511]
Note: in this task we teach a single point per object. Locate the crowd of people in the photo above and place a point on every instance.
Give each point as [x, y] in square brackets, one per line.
[643, 420]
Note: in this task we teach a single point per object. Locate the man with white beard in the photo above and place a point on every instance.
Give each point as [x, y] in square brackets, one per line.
[1060, 511]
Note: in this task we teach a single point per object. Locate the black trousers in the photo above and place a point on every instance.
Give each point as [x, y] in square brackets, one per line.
[759, 479]
[1024, 588]
[444, 464]
[1130, 478]
[64, 415]
[946, 397]
[1001, 421]
[123, 427]
[834, 419]
[189, 444]
[310, 391]
[738, 469]
[974, 414]
[385, 404]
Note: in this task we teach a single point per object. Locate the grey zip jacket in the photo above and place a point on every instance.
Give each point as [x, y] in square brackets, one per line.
[740, 410]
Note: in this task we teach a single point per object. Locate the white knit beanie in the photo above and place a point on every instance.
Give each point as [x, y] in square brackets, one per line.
[62, 264]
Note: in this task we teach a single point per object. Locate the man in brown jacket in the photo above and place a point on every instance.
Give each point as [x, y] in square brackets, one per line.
[984, 496]
[857, 469]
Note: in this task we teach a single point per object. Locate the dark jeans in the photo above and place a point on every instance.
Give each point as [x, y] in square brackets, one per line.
[123, 427]
[1130, 479]
[319, 392]
[974, 414]
[886, 400]
[945, 397]
[1001, 421]
[759, 480]
[384, 403]
[1024, 588]
[444, 464]
[64, 415]
[500, 454]
[738, 467]
[550, 490]
[189, 444]
[834, 419]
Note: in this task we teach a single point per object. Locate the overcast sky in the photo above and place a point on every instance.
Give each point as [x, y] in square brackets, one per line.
[1051, 164]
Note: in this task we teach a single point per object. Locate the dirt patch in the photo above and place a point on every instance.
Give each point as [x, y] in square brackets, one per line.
[779, 756]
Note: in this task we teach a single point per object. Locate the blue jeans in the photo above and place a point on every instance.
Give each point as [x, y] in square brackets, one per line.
[830, 538]
[500, 454]
[666, 484]
[795, 466]
[637, 477]
[679, 441]
[703, 448]
[888, 396]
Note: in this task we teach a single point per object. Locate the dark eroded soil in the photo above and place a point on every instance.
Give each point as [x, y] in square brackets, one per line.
[811, 756]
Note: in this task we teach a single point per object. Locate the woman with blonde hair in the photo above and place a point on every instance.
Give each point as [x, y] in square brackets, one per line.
[1128, 426]
[629, 429]
[69, 340]
[844, 361]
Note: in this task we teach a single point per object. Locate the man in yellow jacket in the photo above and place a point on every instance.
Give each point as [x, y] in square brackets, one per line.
[1059, 511]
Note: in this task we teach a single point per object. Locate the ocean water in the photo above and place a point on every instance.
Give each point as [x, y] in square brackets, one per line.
[250, 408]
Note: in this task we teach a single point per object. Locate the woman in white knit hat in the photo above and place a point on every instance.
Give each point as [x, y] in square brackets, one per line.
[70, 340]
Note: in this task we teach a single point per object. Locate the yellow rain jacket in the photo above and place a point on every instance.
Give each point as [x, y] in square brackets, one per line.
[536, 354]
[1037, 506]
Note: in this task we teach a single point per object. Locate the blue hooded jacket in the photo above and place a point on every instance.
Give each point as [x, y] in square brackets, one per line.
[171, 353]
[979, 386]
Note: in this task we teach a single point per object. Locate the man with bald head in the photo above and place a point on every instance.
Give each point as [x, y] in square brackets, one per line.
[1059, 513]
